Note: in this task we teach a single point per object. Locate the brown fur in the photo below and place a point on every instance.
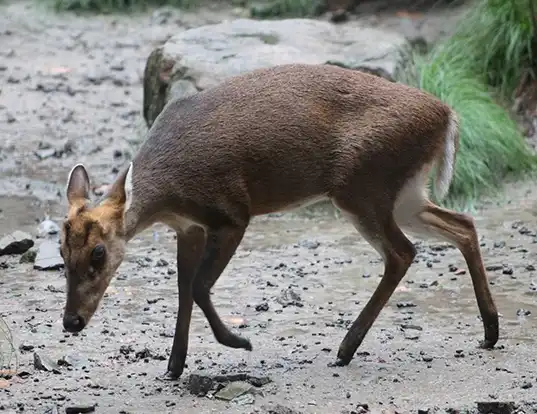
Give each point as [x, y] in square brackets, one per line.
[333, 125]
[266, 141]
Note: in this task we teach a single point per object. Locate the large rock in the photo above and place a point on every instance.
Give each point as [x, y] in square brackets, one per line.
[202, 57]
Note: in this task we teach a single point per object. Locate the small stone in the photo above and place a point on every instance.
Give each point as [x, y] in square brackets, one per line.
[495, 407]
[288, 297]
[244, 399]
[412, 335]
[26, 347]
[17, 242]
[362, 408]
[28, 256]
[262, 307]
[279, 409]
[80, 409]
[310, 244]
[102, 189]
[233, 390]
[48, 227]
[10, 118]
[74, 360]
[45, 153]
[410, 326]
[200, 385]
[161, 263]
[526, 385]
[126, 349]
[44, 363]
[406, 304]
[48, 256]
[523, 312]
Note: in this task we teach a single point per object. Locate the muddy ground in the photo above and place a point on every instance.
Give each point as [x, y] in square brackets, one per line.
[71, 92]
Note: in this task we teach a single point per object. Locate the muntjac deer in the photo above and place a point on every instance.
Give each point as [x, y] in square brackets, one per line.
[266, 141]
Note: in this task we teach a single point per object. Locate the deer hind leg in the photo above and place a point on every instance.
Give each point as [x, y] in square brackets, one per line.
[220, 247]
[415, 213]
[459, 230]
[378, 227]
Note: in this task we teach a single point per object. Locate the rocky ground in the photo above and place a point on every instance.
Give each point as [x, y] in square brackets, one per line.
[70, 91]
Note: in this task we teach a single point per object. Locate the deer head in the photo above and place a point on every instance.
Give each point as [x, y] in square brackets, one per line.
[92, 243]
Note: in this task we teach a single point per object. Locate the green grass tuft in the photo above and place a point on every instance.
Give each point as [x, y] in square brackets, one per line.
[475, 71]
[494, 43]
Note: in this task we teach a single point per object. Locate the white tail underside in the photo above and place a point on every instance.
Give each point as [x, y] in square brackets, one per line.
[446, 164]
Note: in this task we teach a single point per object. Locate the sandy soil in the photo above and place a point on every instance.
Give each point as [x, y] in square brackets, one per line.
[73, 85]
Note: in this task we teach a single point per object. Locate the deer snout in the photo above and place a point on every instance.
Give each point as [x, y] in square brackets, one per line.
[73, 322]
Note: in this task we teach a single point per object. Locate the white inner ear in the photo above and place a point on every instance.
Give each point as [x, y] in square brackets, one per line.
[128, 189]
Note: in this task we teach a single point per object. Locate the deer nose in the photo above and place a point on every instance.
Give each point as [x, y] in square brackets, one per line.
[73, 322]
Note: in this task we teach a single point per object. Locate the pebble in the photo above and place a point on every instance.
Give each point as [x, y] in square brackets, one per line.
[262, 307]
[495, 407]
[201, 384]
[406, 304]
[233, 390]
[288, 297]
[28, 256]
[80, 409]
[44, 363]
[48, 227]
[412, 335]
[310, 244]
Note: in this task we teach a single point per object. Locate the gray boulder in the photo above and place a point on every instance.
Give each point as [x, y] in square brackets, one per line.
[202, 57]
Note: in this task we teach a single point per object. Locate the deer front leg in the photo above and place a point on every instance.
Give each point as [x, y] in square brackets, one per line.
[219, 249]
[190, 248]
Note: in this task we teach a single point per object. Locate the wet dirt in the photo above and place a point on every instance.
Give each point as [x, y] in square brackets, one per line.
[71, 92]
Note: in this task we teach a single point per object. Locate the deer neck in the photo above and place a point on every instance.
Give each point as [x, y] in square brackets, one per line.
[143, 212]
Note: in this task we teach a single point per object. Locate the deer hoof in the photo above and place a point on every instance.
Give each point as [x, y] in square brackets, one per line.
[169, 376]
[487, 344]
[245, 344]
[340, 362]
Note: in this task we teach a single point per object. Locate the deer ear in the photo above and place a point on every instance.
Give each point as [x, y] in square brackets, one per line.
[121, 191]
[78, 185]
[127, 187]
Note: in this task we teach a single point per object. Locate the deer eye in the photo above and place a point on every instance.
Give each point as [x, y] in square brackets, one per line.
[97, 254]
